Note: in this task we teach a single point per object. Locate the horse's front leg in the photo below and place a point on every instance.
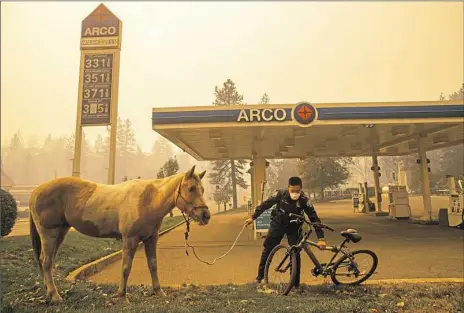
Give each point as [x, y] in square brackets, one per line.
[129, 246]
[150, 251]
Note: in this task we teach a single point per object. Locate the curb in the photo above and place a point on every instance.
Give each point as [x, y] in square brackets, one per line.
[97, 265]
[402, 281]
[415, 281]
[396, 281]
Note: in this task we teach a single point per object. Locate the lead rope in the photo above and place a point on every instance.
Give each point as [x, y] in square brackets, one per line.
[187, 245]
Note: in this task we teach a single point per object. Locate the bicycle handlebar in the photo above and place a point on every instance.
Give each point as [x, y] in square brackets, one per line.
[301, 217]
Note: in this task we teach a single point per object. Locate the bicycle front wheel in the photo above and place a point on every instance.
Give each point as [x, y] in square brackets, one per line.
[280, 270]
[354, 269]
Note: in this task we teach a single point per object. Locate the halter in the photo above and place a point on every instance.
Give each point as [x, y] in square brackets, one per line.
[187, 220]
[186, 202]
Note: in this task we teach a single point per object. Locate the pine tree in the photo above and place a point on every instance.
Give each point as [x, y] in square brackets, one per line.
[222, 192]
[228, 94]
[120, 138]
[16, 142]
[171, 167]
[100, 145]
[70, 143]
[318, 174]
[273, 175]
[160, 173]
[234, 169]
[128, 144]
[265, 99]
[162, 149]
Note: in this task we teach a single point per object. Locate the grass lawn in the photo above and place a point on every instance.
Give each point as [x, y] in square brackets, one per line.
[19, 271]
[22, 289]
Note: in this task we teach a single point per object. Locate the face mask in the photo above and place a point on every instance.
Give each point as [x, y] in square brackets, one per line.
[295, 195]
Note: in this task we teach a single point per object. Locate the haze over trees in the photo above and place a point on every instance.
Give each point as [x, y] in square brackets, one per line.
[36, 162]
[31, 161]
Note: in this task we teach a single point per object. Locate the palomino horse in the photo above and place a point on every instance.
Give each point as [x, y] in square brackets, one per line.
[132, 211]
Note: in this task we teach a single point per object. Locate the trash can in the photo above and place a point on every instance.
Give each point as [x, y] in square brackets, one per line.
[443, 217]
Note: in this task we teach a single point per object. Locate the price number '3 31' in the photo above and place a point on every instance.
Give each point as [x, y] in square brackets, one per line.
[98, 63]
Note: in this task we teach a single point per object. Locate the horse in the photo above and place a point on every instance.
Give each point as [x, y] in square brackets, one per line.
[131, 211]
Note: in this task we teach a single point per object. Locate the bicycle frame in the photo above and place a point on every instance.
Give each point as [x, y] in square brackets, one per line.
[305, 244]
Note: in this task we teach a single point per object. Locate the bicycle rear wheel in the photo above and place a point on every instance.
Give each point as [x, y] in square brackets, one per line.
[347, 271]
[280, 270]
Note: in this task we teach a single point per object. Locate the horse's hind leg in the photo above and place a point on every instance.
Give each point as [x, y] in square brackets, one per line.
[51, 240]
[59, 240]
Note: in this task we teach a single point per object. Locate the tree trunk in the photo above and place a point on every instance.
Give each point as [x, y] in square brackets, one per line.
[234, 184]
[225, 206]
[322, 193]
[171, 214]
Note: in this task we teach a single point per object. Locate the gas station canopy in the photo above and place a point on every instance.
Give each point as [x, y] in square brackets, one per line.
[301, 130]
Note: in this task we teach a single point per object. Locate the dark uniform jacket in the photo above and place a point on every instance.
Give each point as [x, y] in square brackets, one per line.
[285, 205]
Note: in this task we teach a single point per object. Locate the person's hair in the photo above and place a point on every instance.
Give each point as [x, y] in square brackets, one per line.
[295, 181]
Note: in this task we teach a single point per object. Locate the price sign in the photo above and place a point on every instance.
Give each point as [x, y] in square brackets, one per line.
[97, 85]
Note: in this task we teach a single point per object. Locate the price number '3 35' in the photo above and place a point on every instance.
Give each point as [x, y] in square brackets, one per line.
[101, 108]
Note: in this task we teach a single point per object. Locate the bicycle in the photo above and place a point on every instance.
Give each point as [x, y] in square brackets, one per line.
[288, 263]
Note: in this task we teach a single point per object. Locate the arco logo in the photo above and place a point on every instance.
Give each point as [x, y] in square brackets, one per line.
[304, 113]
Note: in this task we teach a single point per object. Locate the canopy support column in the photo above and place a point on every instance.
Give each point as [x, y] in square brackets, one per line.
[375, 171]
[257, 181]
[258, 177]
[425, 180]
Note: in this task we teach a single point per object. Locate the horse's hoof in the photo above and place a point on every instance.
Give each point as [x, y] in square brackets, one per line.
[121, 294]
[159, 293]
[56, 298]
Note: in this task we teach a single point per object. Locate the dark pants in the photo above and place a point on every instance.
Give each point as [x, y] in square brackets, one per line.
[274, 237]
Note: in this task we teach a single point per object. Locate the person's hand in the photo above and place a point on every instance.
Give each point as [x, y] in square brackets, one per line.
[248, 221]
[321, 244]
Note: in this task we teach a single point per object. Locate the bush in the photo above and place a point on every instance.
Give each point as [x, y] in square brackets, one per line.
[9, 212]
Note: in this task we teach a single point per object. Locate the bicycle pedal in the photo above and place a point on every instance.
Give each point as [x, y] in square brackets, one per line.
[316, 272]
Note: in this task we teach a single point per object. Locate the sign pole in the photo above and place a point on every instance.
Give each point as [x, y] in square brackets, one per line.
[114, 123]
[78, 134]
[98, 80]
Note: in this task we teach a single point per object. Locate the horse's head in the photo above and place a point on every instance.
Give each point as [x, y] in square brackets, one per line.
[190, 197]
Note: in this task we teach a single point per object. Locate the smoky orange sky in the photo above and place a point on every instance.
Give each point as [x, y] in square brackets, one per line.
[173, 54]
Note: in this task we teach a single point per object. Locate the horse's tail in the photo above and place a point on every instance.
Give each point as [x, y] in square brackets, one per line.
[36, 243]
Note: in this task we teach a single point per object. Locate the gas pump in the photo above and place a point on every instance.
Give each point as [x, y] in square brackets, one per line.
[355, 199]
[359, 208]
[397, 198]
[456, 203]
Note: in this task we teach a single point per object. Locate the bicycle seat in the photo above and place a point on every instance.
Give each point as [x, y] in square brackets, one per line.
[351, 234]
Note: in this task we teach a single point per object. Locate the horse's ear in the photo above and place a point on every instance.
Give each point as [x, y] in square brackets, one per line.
[190, 173]
[202, 174]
